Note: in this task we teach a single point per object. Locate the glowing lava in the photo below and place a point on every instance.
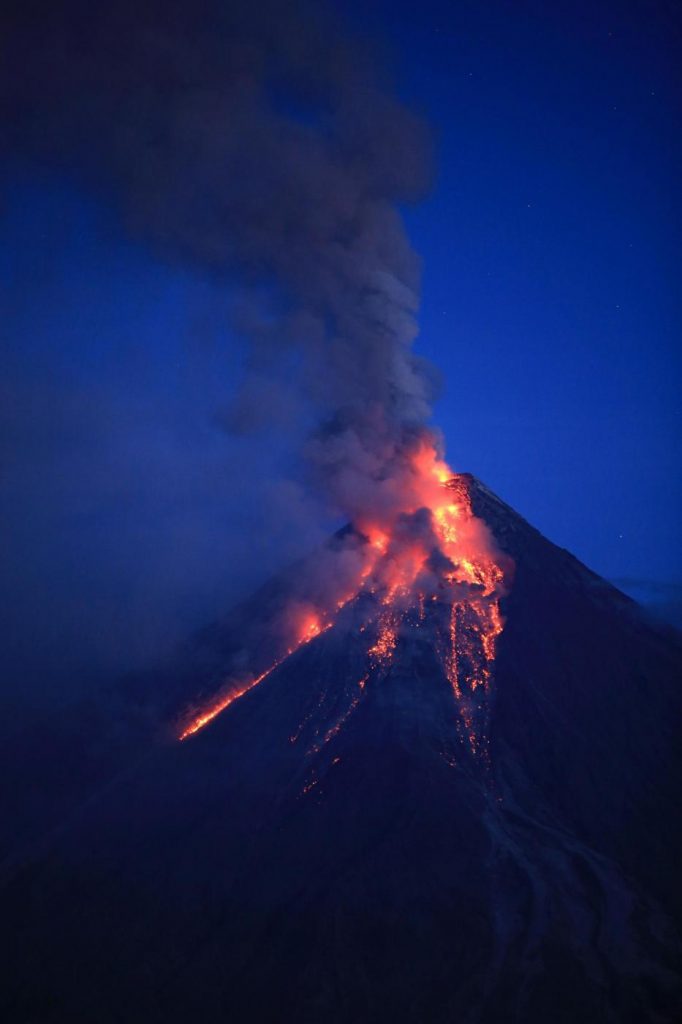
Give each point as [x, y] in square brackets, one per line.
[310, 629]
[381, 652]
[428, 547]
[221, 703]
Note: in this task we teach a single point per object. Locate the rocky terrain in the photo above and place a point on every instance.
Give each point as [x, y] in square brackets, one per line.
[335, 847]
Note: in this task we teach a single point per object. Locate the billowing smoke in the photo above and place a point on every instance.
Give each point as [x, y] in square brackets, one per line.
[257, 143]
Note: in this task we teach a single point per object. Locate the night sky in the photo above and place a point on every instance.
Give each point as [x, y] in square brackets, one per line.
[550, 244]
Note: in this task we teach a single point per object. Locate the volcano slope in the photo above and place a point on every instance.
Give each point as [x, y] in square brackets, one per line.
[353, 841]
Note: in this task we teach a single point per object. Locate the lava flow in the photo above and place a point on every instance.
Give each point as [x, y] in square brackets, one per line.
[428, 550]
[311, 628]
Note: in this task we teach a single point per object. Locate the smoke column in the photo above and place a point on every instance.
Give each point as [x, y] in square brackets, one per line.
[257, 144]
[259, 147]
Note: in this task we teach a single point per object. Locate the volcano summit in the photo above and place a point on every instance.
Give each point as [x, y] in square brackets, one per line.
[455, 806]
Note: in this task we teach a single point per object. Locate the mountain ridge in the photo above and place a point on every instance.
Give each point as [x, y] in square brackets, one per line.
[325, 849]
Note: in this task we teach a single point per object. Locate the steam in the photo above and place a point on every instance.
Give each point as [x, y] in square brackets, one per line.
[255, 143]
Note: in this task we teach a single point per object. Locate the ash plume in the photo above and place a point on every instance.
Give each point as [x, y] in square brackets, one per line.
[256, 143]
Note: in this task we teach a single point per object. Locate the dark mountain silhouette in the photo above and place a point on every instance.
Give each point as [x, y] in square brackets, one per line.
[662, 601]
[344, 843]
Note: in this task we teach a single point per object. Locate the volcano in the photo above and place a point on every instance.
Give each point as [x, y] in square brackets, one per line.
[459, 805]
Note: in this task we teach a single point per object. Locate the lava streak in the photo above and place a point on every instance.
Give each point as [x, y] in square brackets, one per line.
[309, 630]
[425, 546]
[221, 703]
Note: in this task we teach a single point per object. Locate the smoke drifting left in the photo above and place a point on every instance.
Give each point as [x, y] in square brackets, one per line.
[257, 145]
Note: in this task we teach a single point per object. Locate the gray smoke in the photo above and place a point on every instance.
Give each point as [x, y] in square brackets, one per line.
[257, 143]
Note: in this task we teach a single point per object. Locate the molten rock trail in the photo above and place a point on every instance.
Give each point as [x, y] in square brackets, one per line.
[436, 564]
[423, 791]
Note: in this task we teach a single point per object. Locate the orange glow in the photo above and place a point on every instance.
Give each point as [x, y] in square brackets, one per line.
[448, 559]
[223, 702]
[382, 650]
[378, 539]
[476, 580]
[310, 629]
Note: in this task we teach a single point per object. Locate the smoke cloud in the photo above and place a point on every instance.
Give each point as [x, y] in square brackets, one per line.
[258, 144]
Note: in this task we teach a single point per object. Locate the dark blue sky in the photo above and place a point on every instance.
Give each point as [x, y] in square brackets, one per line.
[550, 244]
[551, 247]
